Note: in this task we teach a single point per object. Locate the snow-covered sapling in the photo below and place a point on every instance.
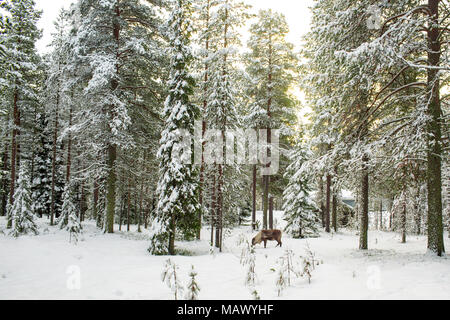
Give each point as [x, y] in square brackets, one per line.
[311, 256]
[170, 277]
[281, 282]
[248, 258]
[307, 269]
[193, 288]
[74, 227]
[20, 211]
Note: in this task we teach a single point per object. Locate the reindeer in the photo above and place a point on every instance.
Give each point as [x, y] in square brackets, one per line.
[265, 235]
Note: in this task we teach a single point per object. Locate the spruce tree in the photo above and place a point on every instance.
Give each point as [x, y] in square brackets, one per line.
[68, 207]
[193, 288]
[23, 218]
[178, 186]
[19, 38]
[301, 213]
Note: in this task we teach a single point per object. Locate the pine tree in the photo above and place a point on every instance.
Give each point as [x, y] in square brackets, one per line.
[41, 184]
[220, 108]
[271, 67]
[120, 83]
[178, 186]
[300, 210]
[74, 226]
[23, 218]
[68, 208]
[171, 277]
[192, 288]
[19, 38]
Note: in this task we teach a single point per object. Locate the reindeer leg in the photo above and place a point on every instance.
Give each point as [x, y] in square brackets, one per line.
[265, 244]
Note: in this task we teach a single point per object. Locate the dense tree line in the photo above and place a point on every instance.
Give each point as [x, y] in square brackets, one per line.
[91, 129]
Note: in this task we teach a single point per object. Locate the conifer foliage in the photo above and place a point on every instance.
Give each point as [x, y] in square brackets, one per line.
[301, 212]
[178, 186]
[23, 219]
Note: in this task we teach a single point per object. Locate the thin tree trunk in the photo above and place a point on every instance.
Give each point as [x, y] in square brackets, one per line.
[404, 217]
[69, 145]
[55, 141]
[434, 153]
[381, 215]
[128, 205]
[266, 202]
[82, 203]
[271, 213]
[220, 184]
[4, 181]
[205, 105]
[328, 202]
[213, 208]
[13, 156]
[112, 148]
[321, 202]
[111, 189]
[219, 209]
[172, 235]
[254, 199]
[122, 205]
[417, 213]
[334, 213]
[364, 227]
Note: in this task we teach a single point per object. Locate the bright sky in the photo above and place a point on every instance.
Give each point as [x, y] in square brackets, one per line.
[296, 12]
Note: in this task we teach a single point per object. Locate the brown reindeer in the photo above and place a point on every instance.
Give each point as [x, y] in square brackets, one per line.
[268, 235]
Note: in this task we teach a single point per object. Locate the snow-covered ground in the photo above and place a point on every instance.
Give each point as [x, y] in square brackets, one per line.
[118, 266]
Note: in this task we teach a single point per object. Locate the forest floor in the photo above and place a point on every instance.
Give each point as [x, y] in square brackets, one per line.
[118, 266]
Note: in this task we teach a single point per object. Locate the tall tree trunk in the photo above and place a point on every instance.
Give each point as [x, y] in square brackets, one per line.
[4, 182]
[172, 234]
[381, 215]
[404, 217]
[271, 213]
[391, 213]
[320, 200]
[122, 208]
[111, 189]
[434, 153]
[364, 224]
[417, 213]
[213, 208]
[82, 203]
[112, 147]
[96, 212]
[219, 225]
[254, 198]
[220, 184]
[13, 155]
[269, 137]
[205, 105]
[328, 203]
[334, 223]
[128, 205]
[54, 155]
[265, 202]
[33, 152]
[69, 145]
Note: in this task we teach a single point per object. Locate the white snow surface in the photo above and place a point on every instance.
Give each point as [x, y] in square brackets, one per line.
[118, 266]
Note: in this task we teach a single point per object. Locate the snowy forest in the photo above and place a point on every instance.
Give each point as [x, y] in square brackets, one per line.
[95, 177]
